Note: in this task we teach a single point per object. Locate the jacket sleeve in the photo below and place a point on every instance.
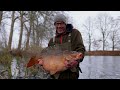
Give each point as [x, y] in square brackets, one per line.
[77, 43]
[50, 42]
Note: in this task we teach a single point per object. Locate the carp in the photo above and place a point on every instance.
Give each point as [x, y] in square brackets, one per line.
[54, 62]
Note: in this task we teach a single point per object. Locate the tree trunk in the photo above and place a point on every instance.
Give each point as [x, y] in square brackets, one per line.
[103, 42]
[29, 31]
[28, 38]
[113, 42]
[1, 14]
[21, 30]
[11, 31]
[33, 35]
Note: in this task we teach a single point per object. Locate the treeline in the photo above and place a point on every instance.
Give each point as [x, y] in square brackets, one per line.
[103, 53]
[33, 28]
[102, 32]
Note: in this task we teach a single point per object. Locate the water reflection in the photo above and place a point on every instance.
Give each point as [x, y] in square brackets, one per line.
[14, 68]
[100, 67]
[89, 68]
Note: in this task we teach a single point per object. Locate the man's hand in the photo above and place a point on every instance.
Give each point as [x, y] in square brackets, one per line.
[74, 63]
[71, 64]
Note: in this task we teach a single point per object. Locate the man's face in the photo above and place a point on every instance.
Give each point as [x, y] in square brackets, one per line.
[60, 26]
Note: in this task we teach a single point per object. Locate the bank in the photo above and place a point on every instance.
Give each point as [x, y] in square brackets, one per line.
[102, 53]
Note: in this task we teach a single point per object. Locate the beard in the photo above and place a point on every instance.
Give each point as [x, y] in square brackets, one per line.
[60, 31]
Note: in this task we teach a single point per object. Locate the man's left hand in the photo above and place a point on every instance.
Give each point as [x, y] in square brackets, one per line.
[71, 64]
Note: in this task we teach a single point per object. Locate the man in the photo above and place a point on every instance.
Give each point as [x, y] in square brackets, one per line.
[69, 39]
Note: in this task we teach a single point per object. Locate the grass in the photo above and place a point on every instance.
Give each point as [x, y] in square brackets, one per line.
[5, 60]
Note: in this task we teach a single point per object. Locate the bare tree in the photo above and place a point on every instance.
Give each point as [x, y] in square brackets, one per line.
[89, 31]
[22, 20]
[43, 27]
[31, 21]
[115, 33]
[46, 28]
[3, 39]
[1, 14]
[3, 24]
[11, 30]
[36, 26]
[103, 24]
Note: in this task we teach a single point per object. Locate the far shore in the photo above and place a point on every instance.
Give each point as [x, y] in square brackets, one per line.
[102, 53]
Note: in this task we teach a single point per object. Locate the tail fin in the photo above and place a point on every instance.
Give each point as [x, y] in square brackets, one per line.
[32, 62]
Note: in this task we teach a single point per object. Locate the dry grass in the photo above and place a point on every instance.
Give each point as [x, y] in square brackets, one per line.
[5, 59]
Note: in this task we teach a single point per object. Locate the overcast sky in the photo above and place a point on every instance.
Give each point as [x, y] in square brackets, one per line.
[79, 17]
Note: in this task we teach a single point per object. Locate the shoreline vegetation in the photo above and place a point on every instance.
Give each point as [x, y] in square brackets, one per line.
[102, 53]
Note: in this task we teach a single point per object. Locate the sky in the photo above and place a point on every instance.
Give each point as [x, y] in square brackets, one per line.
[79, 17]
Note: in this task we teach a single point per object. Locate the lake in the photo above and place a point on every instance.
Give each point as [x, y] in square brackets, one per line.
[100, 67]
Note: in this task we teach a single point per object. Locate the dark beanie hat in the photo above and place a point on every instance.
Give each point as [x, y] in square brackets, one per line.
[60, 17]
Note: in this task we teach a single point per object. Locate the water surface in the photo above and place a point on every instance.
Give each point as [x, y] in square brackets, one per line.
[100, 67]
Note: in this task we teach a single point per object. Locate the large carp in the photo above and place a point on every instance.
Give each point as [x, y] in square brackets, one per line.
[53, 61]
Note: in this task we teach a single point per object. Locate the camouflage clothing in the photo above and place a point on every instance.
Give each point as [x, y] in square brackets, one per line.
[71, 40]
